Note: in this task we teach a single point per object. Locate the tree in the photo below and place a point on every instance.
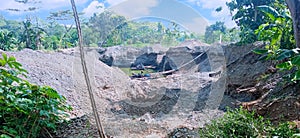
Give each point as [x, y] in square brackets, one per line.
[214, 31]
[218, 32]
[248, 17]
[32, 35]
[8, 40]
[66, 36]
[103, 24]
[294, 7]
[278, 31]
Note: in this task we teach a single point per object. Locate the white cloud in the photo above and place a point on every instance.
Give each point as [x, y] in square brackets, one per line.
[43, 5]
[170, 10]
[94, 7]
[213, 4]
[223, 15]
[54, 4]
[11, 4]
[197, 25]
[114, 2]
[134, 8]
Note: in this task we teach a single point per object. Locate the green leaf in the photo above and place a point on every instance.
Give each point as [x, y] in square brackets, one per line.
[52, 93]
[264, 57]
[2, 62]
[4, 57]
[11, 58]
[285, 65]
[269, 11]
[296, 60]
[10, 97]
[287, 15]
[297, 76]
[16, 64]
[285, 54]
[4, 136]
[260, 51]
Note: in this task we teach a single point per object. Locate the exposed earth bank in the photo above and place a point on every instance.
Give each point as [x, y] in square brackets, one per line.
[193, 94]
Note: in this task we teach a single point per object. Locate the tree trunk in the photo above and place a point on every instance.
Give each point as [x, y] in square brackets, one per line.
[294, 7]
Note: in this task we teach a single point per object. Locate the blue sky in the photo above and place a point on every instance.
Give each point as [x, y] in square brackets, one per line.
[189, 13]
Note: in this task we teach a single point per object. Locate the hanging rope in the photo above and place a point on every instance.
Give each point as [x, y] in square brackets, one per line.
[85, 72]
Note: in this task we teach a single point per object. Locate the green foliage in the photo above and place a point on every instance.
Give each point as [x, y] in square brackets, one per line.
[8, 40]
[213, 32]
[108, 29]
[101, 26]
[240, 123]
[26, 110]
[217, 31]
[32, 35]
[105, 29]
[278, 33]
[234, 124]
[283, 130]
[139, 33]
[248, 16]
[289, 60]
[36, 34]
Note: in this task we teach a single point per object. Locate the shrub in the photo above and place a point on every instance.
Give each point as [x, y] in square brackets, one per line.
[26, 110]
[240, 123]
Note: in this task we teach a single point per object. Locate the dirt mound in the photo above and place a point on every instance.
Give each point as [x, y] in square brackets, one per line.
[258, 85]
[127, 107]
[63, 71]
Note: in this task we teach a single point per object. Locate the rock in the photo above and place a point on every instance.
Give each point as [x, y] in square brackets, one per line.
[244, 68]
[193, 43]
[146, 60]
[126, 56]
[183, 132]
[193, 59]
[182, 57]
[108, 60]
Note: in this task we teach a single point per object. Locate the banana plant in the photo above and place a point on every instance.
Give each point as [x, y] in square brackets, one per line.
[32, 35]
[278, 32]
[8, 40]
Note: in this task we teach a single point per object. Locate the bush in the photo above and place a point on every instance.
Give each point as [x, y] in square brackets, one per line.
[26, 110]
[240, 123]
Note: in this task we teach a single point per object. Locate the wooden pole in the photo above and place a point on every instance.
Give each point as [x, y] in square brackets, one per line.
[85, 72]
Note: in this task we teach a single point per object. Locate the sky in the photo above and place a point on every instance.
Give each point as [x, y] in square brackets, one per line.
[192, 14]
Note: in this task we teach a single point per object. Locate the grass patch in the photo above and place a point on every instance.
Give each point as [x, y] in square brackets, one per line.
[240, 123]
[129, 71]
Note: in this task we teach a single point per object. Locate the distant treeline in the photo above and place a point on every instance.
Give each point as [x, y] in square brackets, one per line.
[105, 29]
